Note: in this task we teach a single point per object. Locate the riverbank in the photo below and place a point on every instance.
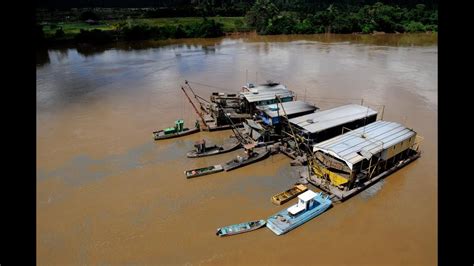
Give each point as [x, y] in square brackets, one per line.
[264, 17]
[400, 39]
[107, 31]
[71, 28]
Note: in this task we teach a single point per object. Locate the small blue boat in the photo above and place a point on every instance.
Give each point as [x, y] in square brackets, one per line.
[240, 228]
[310, 205]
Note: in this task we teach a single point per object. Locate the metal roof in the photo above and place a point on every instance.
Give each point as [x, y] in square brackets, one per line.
[356, 145]
[322, 120]
[291, 108]
[307, 195]
[265, 95]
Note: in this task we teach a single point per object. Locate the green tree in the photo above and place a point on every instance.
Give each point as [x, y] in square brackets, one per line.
[238, 24]
[260, 13]
[305, 27]
[414, 26]
[282, 24]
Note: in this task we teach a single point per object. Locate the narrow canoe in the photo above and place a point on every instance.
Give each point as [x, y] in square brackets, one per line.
[160, 134]
[203, 171]
[213, 150]
[240, 228]
[235, 163]
[289, 194]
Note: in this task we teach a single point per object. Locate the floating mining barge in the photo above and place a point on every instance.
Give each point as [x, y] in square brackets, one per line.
[346, 164]
[346, 149]
[343, 150]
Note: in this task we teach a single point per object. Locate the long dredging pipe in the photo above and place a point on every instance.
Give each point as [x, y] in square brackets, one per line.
[198, 98]
[237, 134]
[195, 109]
[309, 155]
[289, 124]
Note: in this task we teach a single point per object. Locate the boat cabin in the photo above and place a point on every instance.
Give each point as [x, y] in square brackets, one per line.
[306, 201]
[200, 146]
[249, 149]
[263, 95]
[179, 125]
[272, 114]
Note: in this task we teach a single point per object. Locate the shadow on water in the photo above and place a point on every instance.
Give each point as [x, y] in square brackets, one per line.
[208, 46]
[90, 50]
[372, 190]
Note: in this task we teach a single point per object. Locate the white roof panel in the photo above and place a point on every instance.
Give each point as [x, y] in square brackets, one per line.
[322, 120]
[265, 95]
[307, 195]
[353, 146]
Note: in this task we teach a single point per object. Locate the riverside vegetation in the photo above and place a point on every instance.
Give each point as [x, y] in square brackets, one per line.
[103, 25]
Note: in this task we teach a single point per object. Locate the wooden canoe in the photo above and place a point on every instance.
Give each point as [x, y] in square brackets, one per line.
[240, 228]
[289, 194]
[203, 171]
[235, 163]
[214, 150]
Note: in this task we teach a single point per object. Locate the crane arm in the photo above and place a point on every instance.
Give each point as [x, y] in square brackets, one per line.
[195, 109]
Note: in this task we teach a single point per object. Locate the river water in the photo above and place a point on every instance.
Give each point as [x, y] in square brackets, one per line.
[107, 194]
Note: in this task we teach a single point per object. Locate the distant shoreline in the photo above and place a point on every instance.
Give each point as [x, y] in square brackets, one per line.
[52, 44]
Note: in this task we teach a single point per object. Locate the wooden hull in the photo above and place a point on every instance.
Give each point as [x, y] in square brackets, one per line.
[160, 135]
[234, 164]
[203, 171]
[288, 195]
[240, 228]
[213, 151]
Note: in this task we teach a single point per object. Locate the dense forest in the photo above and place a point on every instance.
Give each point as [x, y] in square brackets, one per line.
[268, 18]
[105, 21]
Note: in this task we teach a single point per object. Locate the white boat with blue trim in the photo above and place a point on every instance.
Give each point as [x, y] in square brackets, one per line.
[310, 204]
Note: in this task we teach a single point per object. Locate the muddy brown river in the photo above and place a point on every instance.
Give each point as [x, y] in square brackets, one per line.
[107, 194]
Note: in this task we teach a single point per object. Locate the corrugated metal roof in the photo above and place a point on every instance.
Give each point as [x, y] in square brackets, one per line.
[322, 120]
[293, 107]
[265, 95]
[368, 140]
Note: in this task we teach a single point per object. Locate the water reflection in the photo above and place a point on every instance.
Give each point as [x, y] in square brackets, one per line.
[211, 45]
[90, 50]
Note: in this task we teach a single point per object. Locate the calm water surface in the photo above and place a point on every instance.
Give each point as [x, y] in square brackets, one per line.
[108, 194]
